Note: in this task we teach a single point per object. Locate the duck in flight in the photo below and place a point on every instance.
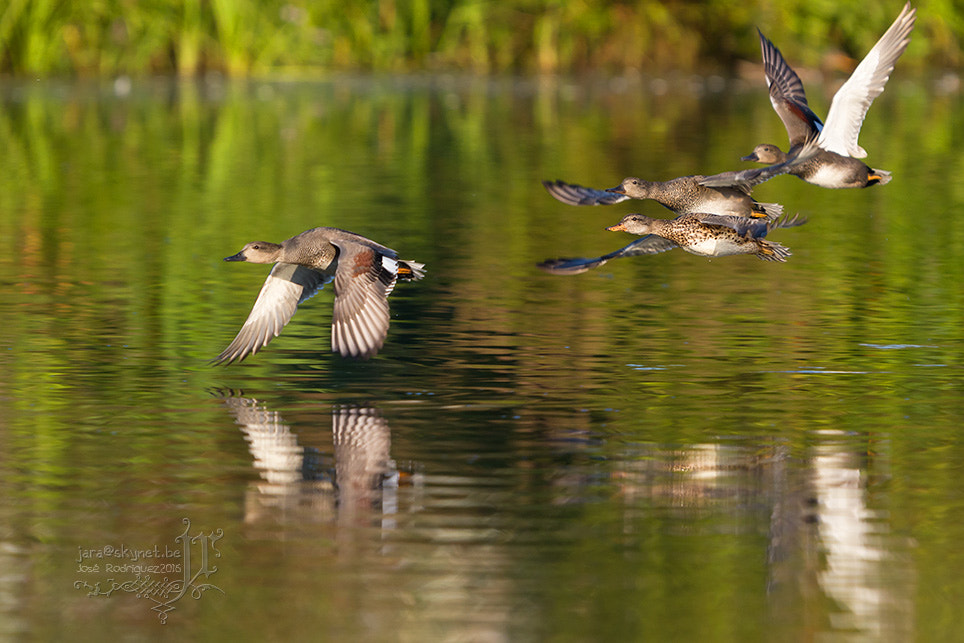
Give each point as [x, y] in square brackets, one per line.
[364, 273]
[702, 233]
[726, 193]
[683, 195]
[707, 235]
[837, 165]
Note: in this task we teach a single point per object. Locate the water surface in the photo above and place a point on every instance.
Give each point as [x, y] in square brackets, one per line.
[666, 448]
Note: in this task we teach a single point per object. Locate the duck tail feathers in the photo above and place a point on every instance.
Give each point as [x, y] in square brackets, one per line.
[773, 251]
[410, 270]
[771, 210]
[879, 177]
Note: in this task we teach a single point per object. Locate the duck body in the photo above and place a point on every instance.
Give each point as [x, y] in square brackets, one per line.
[683, 195]
[723, 194]
[707, 235]
[825, 169]
[837, 165]
[364, 273]
[711, 235]
[688, 195]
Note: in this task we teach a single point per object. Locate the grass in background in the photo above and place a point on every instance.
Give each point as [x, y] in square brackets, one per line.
[245, 37]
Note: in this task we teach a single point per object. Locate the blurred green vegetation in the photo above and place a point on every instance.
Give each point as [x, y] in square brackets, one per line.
[298, 37]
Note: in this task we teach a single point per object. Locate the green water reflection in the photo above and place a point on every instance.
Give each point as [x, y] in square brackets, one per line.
[665, 448]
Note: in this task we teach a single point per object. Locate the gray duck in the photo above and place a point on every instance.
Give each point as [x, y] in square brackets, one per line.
[837, 164]
[364, 273]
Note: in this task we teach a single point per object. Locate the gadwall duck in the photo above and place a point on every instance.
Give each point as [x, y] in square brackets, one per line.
[836, 165]
[708, 235]
[364, 273]
[684, 195]
[726, 193]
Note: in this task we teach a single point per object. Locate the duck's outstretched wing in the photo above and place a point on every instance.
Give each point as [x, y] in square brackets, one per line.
[787, 95]
[744, 226]
[853, 99]
[746, 180]
[742, 180]
[363, 280]
[752, 228]
[648, 245]
[573, 194]
[788, 221]
[285, 288]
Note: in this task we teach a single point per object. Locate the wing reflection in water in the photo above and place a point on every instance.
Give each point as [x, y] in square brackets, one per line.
[826, 543]
[358, 483]
[872, 583]
[365, 473]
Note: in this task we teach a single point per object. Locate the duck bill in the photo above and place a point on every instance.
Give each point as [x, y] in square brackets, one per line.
[750, 157]
[237, 257]
[619, 227]
[616, 190]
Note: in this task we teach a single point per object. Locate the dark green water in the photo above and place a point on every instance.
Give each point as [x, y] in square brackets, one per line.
[667, 448]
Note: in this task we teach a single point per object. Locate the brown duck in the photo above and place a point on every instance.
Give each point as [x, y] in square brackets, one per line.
[708, 235]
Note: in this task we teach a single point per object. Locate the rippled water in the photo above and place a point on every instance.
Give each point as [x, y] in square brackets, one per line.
[666, 448]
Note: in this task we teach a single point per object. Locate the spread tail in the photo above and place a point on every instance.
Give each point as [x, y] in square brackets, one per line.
[772, 251]
[878, 177]
[410, 270]
[768, 210]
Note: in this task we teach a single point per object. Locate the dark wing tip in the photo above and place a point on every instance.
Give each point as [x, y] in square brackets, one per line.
[223, 360]
[230, 355]
[565, 266]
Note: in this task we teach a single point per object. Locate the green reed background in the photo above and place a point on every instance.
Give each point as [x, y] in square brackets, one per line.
[244, 37]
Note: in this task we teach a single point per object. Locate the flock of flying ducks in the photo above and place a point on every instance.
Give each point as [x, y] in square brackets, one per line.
[715, 215]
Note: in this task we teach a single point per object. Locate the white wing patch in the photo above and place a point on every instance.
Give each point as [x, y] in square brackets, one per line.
[853, 99]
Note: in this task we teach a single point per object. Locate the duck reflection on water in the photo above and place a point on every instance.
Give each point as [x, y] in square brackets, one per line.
[358, 480]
